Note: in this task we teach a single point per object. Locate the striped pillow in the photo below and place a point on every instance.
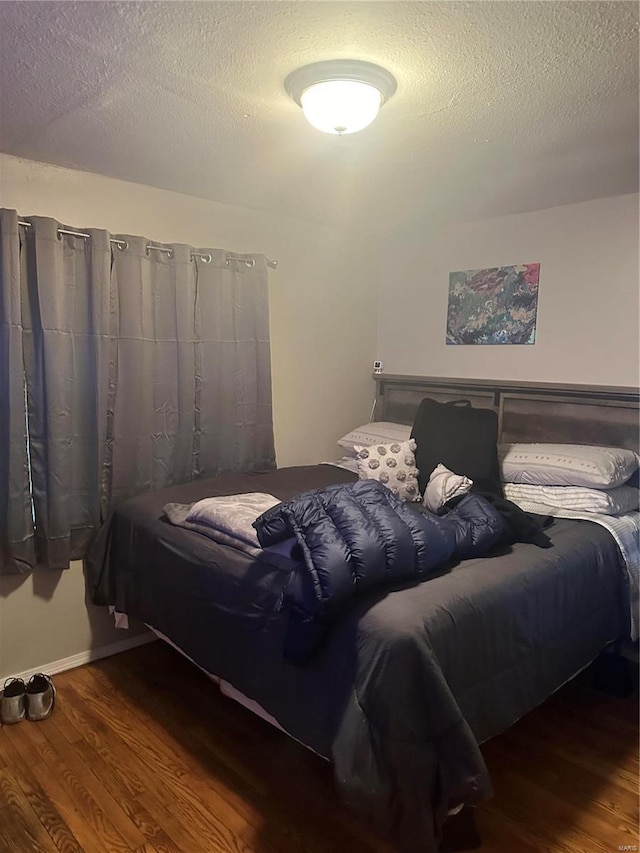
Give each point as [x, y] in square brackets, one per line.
[616, 501]
[566, 465]
[377, 432]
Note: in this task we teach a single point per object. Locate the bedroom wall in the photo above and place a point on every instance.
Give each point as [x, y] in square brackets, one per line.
[587, 326]
[323, 310]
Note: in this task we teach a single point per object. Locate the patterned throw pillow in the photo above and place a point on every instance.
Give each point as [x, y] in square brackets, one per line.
[394, 465]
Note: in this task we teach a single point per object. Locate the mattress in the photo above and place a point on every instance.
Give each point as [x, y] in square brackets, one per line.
[412, 677]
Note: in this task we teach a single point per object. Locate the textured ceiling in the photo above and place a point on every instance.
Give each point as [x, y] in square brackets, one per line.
[501, 107]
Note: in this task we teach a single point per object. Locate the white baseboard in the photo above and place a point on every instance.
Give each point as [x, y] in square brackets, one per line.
[82, 658]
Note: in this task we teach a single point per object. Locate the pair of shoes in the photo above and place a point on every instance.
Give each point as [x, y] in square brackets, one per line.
[32, 701]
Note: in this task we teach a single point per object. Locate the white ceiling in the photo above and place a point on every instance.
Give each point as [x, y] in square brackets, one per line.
[501, 107]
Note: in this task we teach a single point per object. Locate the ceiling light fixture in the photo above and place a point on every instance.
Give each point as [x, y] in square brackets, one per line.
[340, 95]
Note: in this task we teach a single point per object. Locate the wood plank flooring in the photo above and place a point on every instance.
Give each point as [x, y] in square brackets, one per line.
[143, 754]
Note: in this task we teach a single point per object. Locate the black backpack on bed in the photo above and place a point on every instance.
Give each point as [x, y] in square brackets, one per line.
[460, 437]
[465, 439]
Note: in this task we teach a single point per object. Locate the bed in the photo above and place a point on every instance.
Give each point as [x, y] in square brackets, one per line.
[413, 677]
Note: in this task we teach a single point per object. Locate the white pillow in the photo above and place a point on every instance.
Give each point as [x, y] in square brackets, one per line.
[616, 501]
[442, 486]
[377, 432]
[394, 465]
[566, 465]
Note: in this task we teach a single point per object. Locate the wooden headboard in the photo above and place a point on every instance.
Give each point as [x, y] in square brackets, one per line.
[527, 411]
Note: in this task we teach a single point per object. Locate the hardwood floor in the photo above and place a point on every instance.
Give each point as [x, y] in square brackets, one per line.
[143, 754]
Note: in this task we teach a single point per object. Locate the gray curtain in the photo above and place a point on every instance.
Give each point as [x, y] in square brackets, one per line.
[234, 424]
[143, 369]
[17, 532]
[192, 396]
[67, 326]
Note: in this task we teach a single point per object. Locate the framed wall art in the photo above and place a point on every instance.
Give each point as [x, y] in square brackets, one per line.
[493, 306]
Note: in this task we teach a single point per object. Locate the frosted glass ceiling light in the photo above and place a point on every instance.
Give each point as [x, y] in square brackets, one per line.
[342, 95]
[340, 106]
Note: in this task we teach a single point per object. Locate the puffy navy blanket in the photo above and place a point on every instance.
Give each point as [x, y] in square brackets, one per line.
[353, 536]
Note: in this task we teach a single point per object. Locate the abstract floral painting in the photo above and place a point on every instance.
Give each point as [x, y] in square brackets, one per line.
[493, 306]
